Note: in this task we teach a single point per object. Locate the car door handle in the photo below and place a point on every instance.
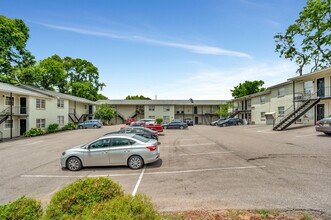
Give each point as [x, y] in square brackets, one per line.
[126, 151]
[104, 152]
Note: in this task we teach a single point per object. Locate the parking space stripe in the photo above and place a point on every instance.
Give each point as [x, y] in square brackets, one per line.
[144, 173]
[227, 152]
[138, 182]
[186, 145]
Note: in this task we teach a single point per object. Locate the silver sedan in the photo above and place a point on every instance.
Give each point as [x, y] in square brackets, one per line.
[115, 149]
[324, 125]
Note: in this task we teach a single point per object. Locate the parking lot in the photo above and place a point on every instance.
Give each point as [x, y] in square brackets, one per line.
[202, 167]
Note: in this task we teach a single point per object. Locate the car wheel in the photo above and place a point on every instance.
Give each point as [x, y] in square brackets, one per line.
[327, 133]
[74, 164]
[165, 127]
[181, 127]
[80, 127]
[94, 126]
[135, 162]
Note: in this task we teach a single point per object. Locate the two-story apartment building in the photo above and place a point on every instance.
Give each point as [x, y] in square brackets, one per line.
[200, 111]
[23, 107]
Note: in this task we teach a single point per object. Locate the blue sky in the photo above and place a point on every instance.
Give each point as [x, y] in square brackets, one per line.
[169, 49]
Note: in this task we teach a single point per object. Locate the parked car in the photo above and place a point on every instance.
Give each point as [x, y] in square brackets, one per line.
[188, 121]
[175, 124]
[149, 121]
[324, 125]
[230, 122]
[115, 149]
[214, 123]
[155, 127]
[145, 132]
[129, 121]
[90, 124]
[138, 124]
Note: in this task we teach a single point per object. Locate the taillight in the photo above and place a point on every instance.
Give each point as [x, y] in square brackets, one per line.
[318, 123]
[152, 148]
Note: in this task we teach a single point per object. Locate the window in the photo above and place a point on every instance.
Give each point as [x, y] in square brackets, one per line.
[40, 104]
[166, 118]
[166, 108]
[281, 110]
[60, 103]
[100, 144]
[281, 92]
[41, 123]
[8, 123]
[262, 116]
[151, 116]
[262, 99]
[60, 120]
[120, 142]
[8, 100]
[151, 108]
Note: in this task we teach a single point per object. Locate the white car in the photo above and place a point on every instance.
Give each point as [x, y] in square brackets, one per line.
[148, 121]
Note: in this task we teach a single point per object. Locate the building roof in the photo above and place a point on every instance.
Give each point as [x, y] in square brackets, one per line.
[162, 102]
[57, 95]
[312, 75]
[18, 90]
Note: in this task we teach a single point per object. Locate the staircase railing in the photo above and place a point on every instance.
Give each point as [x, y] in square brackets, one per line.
[305, 98]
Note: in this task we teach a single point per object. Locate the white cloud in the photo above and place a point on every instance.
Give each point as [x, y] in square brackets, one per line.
[194, 48]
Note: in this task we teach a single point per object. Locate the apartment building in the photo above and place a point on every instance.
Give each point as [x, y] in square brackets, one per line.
[23, 107]
[303, 99]
[200, 111]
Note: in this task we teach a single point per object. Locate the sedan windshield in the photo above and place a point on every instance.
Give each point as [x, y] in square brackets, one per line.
[141, 138]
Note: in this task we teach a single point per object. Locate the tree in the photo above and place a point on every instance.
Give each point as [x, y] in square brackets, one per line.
[137, 97]
[223, 112]
[13, 54]
[308, 40]
[105, 113]
[247, 88]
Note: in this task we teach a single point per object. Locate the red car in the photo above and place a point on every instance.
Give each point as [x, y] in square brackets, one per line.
[129, 121]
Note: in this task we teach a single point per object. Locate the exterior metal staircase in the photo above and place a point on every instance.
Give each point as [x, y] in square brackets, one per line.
[294, 115]
[4, 119]
[236, 112]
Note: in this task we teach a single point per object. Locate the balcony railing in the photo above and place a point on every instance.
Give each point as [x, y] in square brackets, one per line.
[16, 110]
[305, 95]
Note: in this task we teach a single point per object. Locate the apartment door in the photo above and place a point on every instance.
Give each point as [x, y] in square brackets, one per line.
[22, 126]
[195, 110]
[320, 87]
[90, 111]
[22, 105]
[319, 112]
[196, 120]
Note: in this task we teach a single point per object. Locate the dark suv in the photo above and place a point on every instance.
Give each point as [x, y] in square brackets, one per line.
[230, 121]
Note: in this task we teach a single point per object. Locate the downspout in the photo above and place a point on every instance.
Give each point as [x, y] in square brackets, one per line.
[293, 87]
[11, 115]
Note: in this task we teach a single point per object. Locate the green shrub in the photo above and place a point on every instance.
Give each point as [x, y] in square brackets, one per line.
[138, 207]
[23, 208]
[69, 126]
[34, 132]
[72, 199]
[159, 120]
[52, 128]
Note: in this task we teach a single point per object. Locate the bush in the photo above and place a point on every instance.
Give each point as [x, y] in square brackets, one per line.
[72, 199]
[23, 208]
[69, 126]
[159, 120]
[52, 128]
[34, 132]
[138, 207]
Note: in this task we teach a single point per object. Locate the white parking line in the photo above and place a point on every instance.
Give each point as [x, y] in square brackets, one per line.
[138, 182]
[307, 135]
[143, 172]
[185, 145]
[227, 152]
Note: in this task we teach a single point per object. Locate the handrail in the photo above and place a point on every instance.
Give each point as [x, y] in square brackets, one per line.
[1, 136]
[291, 109]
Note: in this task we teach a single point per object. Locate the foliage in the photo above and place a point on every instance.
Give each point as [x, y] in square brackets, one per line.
[101, 97]
[69, 126]
[22, 208]
[71, 200]
[13, 55]
[159, 120]
[105, 113]
[138, 207]
[136, 97]
[34, 132]
[247, 88]
[52, 128]
[264, 213]
[308, 40]
[223, 112]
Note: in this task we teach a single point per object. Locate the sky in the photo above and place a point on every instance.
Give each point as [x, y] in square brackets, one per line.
[164, 49]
